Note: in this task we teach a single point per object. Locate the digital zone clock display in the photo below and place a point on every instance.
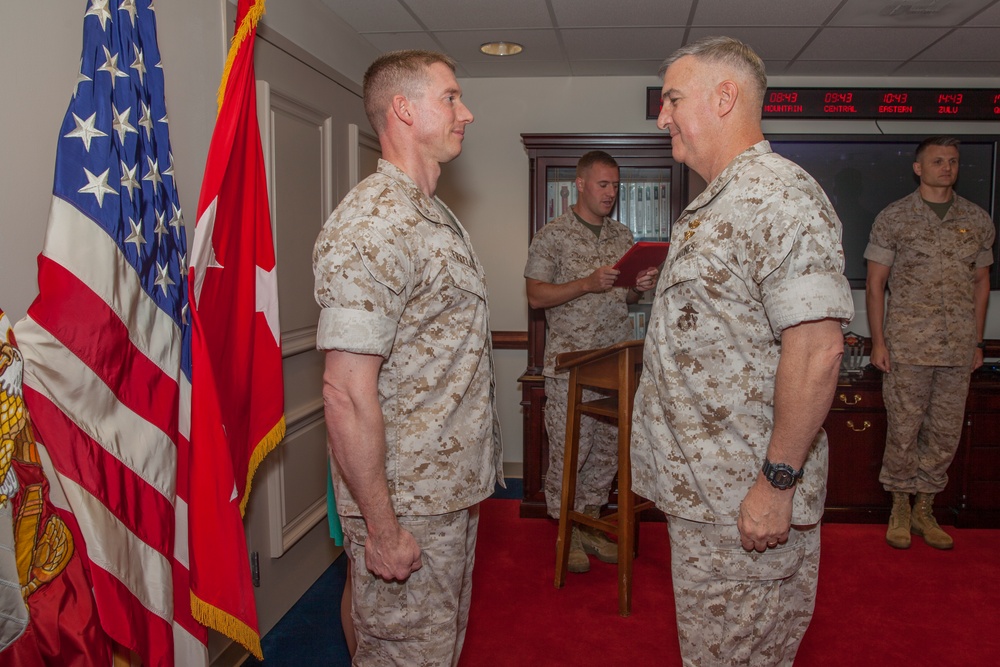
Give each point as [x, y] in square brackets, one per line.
[871, 103]
[883, 103]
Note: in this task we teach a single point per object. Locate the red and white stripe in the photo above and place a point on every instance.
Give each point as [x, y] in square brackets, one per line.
[112, 411]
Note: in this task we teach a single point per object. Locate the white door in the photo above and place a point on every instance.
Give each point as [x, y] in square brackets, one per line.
[313, 147]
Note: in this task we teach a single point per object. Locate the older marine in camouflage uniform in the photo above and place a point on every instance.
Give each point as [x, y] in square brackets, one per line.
[757, 252]
[740, 365]
[933, 322]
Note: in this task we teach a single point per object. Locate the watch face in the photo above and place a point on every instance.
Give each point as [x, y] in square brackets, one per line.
[782, 478]
[781, 475]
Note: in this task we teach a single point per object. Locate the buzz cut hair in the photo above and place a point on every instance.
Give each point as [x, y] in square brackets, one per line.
[726, 51]
[942, 140]
[397, 73]
[590, 159]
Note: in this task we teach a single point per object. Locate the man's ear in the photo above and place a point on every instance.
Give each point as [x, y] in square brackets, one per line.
[401, 109]
[728, 93]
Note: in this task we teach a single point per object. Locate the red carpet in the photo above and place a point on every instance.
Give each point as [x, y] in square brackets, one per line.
[876, 605]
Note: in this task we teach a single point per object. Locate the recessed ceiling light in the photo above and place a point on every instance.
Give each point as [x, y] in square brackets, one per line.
[501, 48]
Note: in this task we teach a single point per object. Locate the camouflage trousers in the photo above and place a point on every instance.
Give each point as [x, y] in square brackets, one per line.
[925, 406]
[598, 454]
[736, 607]
[420, 622]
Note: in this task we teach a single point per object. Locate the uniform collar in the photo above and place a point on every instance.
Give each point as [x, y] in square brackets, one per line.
[427, 206]
[719, 183]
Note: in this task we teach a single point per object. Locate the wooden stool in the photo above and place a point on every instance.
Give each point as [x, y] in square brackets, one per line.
[614, 369]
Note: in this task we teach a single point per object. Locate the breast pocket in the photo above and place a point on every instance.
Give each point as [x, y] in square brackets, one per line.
[465, 277]
[694, 303]
[966, 246]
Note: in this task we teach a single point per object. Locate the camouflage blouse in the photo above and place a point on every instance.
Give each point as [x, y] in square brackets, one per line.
[395, 278]
[757, 252]
[563, 251]
[930, 318]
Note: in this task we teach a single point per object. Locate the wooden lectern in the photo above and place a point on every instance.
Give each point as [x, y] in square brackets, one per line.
[613, 369]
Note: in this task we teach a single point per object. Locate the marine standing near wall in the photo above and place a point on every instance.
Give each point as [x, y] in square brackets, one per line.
[408, 386]
[933, 250]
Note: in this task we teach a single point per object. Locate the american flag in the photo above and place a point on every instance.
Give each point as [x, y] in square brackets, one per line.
[107, 341]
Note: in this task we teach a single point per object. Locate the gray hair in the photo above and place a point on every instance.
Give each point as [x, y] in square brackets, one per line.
[725, 51]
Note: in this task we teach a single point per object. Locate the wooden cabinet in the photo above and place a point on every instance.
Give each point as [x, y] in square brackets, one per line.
[978, 502]
[856, 427]
[654, 191]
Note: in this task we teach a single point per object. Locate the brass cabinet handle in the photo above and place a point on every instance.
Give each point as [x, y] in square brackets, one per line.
[843, 399]
[864, 426]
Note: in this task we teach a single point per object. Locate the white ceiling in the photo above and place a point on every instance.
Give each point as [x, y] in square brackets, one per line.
[912, 38]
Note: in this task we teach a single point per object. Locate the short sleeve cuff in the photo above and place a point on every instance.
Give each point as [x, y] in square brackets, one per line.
[814, 296]
[355, 331]
[984, 258]
[537, 269]
[879, 255]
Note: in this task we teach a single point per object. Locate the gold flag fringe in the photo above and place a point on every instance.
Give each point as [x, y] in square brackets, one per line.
[263, 448]
[232, 627]
[211, 616]
[249, 24]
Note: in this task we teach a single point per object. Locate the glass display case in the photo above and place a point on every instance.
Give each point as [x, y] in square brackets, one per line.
[644, 197]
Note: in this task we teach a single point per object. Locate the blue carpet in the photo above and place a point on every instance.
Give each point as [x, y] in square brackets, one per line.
[310, 634]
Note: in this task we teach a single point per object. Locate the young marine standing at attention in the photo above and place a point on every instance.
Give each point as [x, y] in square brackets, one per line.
[408, 386]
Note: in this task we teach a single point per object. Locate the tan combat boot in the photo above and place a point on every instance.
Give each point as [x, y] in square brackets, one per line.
[578, 561]
[596, 542]
[923, 523]
[898, 535]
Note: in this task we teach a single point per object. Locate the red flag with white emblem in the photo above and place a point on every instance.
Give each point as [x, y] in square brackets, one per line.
[237, 396]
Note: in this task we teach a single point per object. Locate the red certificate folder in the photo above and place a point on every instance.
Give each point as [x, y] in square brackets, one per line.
[642, 255]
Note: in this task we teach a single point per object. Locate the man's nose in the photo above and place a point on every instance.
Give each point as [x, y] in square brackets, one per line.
[663, 120]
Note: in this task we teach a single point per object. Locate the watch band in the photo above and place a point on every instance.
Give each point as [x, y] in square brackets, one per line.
[981, 345]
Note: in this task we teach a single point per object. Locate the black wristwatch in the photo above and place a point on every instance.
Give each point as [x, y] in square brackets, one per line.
[781, 475]
[981, 345]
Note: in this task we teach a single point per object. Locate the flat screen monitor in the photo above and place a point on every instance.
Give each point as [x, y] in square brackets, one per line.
[862, 174]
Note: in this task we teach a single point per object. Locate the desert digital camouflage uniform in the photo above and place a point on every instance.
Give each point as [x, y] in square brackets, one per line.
[396, 276]
[757, 252]
[562, 251]
[777, 588]
[930, 331]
